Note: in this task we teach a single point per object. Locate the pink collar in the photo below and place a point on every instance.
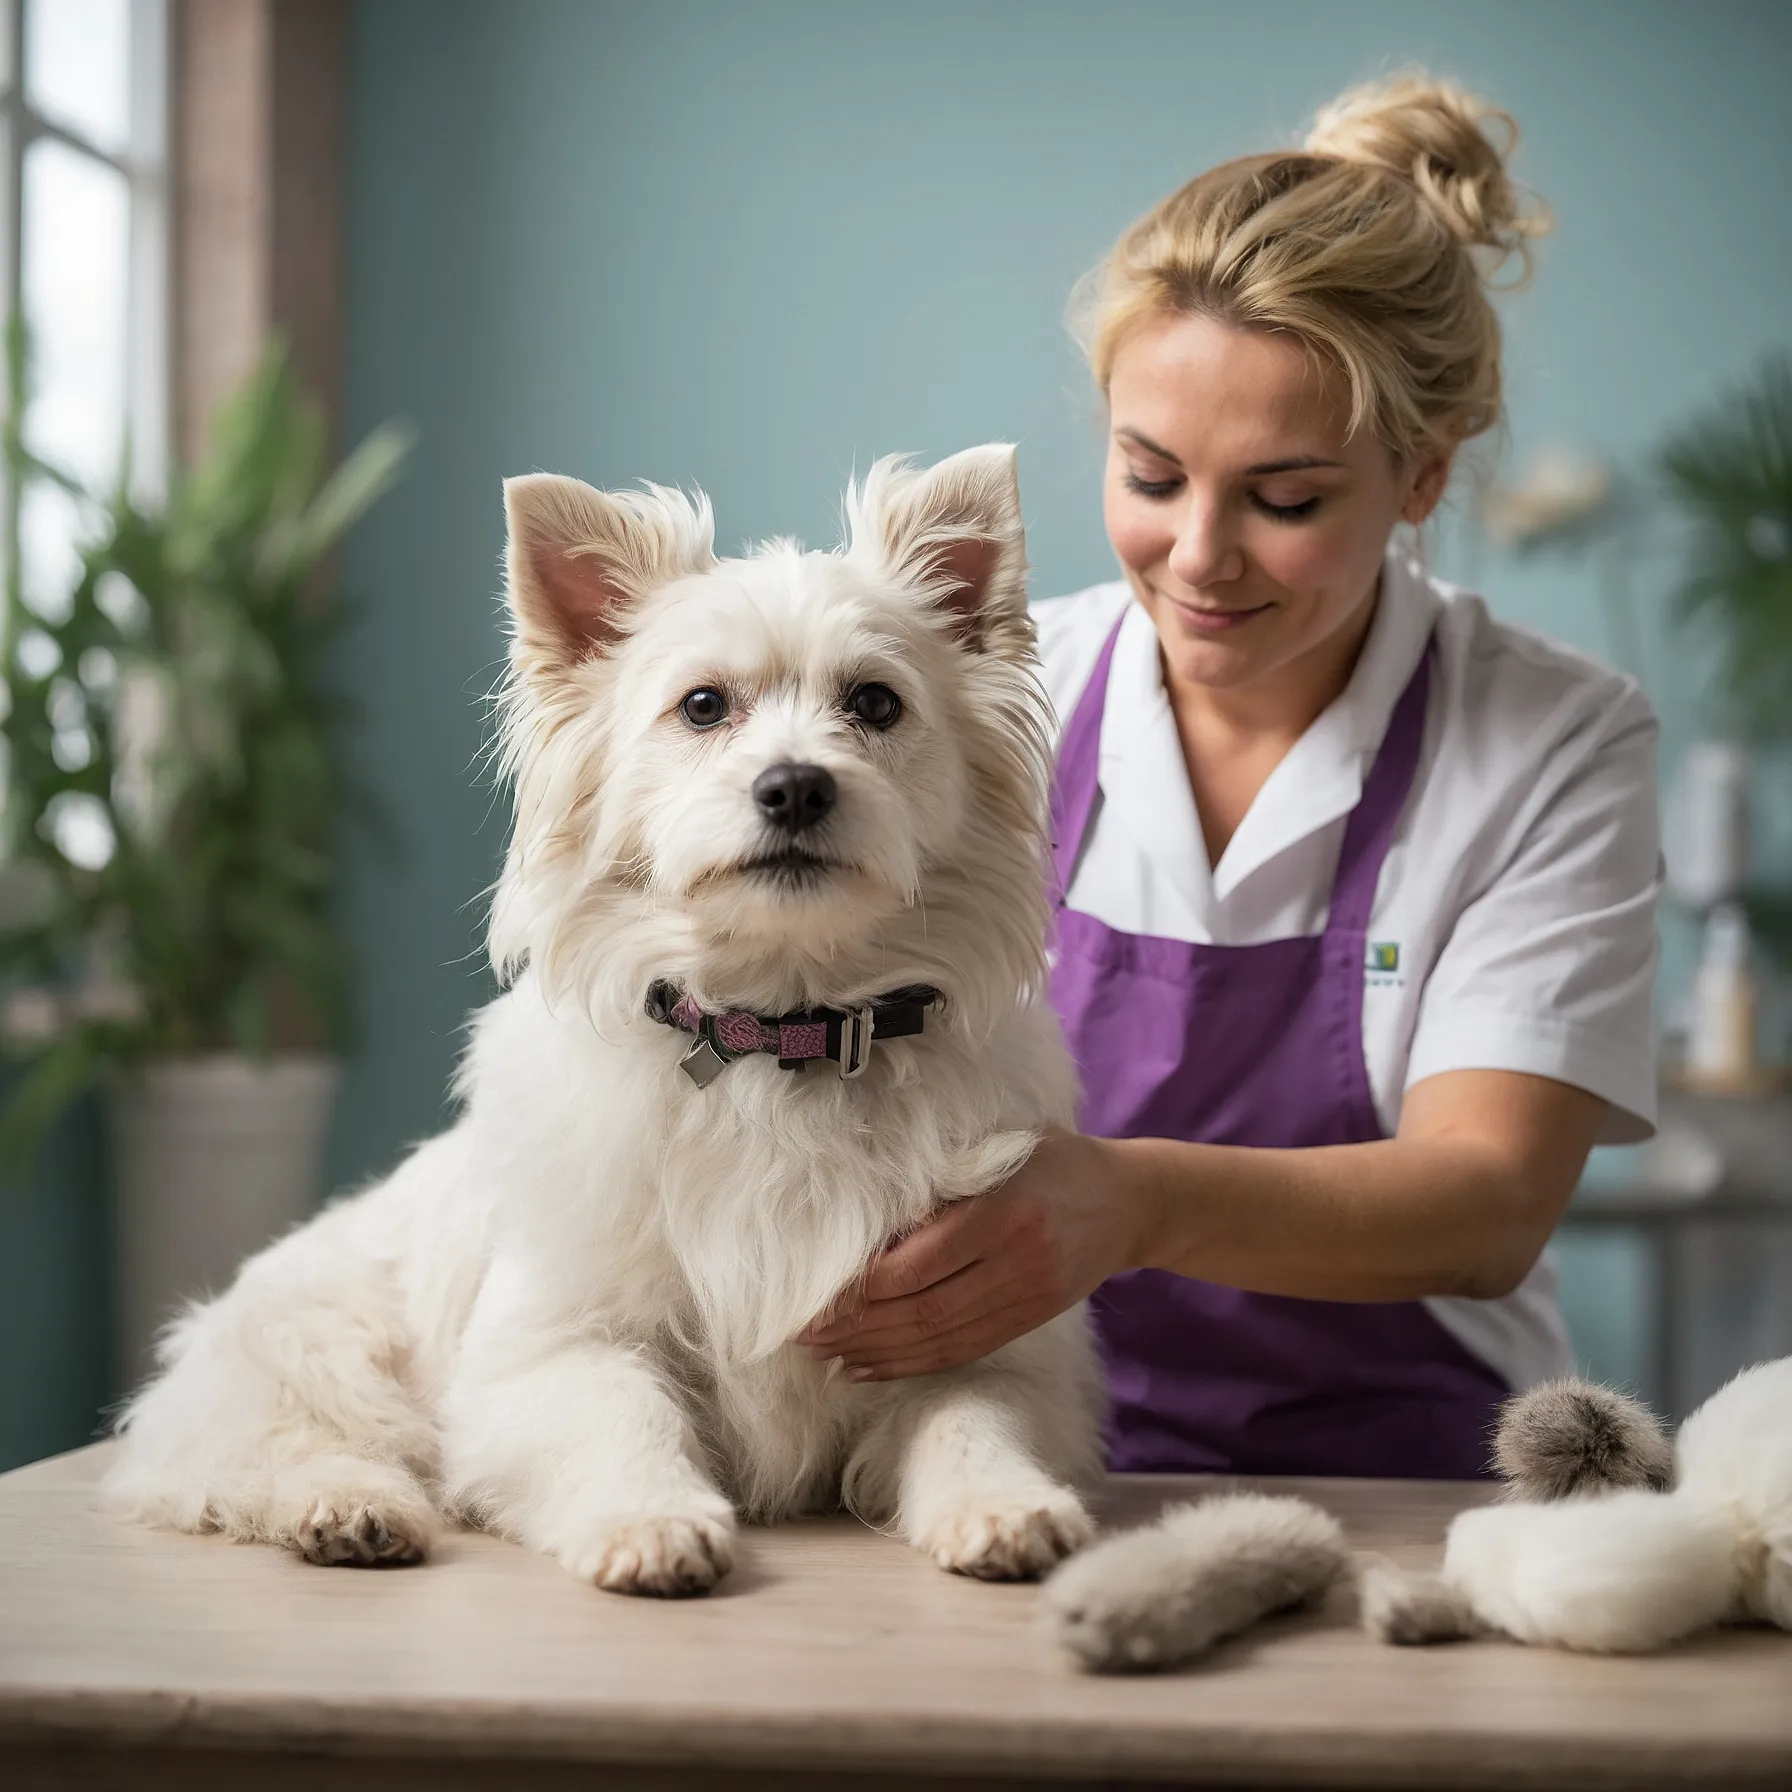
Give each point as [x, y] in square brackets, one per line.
[842, 1036]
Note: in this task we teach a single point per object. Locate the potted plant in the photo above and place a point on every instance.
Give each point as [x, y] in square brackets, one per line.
[173, 792]
[1730, 471]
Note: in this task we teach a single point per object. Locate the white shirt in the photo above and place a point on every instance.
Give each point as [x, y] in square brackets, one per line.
[1514, 922]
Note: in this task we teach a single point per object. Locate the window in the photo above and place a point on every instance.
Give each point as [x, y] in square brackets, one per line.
[83, 255]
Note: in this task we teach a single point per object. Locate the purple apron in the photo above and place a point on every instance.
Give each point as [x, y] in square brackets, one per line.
[1254, 1045]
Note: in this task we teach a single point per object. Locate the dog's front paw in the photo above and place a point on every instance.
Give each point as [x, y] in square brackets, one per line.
[343, 1513]
[1018, 1539]
[659, 1555]
[361, 1537]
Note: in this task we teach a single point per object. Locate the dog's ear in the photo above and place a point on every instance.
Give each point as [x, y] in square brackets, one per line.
[953, 530]
[578, 559]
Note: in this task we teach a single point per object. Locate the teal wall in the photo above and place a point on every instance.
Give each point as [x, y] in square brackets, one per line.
[55, 1341]
[752, 244]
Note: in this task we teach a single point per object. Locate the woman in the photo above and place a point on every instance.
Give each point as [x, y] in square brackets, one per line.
[1357, 935]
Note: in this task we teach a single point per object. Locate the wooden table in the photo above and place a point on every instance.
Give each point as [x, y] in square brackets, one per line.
[833, 1657]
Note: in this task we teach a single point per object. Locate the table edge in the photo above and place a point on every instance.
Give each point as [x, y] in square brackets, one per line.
[1023, 1744]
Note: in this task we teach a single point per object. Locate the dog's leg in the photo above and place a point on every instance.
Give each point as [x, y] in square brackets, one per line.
[281, 1413]
[581, 1450]
[976, 1465]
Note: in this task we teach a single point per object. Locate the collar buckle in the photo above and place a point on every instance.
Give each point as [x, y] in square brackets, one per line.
[856, 1027]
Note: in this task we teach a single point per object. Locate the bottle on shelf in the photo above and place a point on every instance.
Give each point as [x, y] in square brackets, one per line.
[1721, 1044]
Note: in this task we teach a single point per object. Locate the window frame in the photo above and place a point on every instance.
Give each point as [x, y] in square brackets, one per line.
[143, 163]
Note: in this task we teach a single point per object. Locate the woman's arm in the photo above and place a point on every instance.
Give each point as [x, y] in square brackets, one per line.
[1461, 1202]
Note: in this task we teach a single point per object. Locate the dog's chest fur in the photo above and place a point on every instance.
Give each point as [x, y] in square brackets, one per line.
[776, 1431]
[711, 1225]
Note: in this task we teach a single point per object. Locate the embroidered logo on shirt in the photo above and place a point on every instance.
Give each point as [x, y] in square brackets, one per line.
[1381, 966]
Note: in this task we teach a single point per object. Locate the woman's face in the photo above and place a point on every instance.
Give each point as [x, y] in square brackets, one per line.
[1250, 526]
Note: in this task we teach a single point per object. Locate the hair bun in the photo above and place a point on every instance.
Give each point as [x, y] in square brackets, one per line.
[1452, 146]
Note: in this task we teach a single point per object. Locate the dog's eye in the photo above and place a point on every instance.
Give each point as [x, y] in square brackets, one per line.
[704, 708]
[876, 705]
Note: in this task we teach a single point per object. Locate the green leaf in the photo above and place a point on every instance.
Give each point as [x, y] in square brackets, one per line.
[1770, 919]
[247, 1013]
[57, 1078]
[351, 491]
[1731, 472]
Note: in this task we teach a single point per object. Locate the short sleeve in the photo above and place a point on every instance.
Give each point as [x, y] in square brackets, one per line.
[1550, 967]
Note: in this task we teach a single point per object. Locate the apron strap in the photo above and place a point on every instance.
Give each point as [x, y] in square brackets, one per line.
[1370, 830]
[1079, 768]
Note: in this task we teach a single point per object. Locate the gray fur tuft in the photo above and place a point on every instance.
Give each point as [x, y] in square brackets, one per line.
[1160, 1595]
[1401, 1605]
[1568, 1438]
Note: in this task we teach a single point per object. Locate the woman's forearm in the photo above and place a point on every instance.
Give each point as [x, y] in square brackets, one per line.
[1452, 1206]
[1460, 1203]
[1377, 1222]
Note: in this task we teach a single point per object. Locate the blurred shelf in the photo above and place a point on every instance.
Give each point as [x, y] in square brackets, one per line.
[1713, 1157]
[1715, 1160]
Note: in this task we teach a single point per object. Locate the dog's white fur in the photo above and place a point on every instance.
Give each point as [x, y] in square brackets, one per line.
[1631, 1570]
[569, 1318]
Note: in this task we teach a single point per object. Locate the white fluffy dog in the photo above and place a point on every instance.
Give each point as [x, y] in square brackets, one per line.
[759, 787]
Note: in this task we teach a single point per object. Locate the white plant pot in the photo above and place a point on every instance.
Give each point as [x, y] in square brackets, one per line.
[211, 1158]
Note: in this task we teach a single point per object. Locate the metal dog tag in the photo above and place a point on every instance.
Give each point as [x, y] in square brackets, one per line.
[703, 1063]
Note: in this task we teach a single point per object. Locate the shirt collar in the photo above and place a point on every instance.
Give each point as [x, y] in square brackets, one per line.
[1320, 779]
[1142, 775]
[1405, 619]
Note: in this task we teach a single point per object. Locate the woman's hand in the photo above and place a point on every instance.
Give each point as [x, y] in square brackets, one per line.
[1459, 1203]
[991, 1267]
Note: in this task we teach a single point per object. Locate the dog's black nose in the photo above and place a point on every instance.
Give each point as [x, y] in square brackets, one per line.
[794, 797]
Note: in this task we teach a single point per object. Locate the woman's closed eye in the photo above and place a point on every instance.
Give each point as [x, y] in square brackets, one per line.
[1151, 488]
[1285, 513]
[1167, 487]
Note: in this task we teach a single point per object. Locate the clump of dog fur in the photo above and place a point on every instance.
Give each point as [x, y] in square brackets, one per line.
[1169, 1591]
[1611, 1538]
[1572, 1437]
[1614, 1540]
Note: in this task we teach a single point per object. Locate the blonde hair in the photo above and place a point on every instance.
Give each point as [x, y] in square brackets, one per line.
[1375, 244]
